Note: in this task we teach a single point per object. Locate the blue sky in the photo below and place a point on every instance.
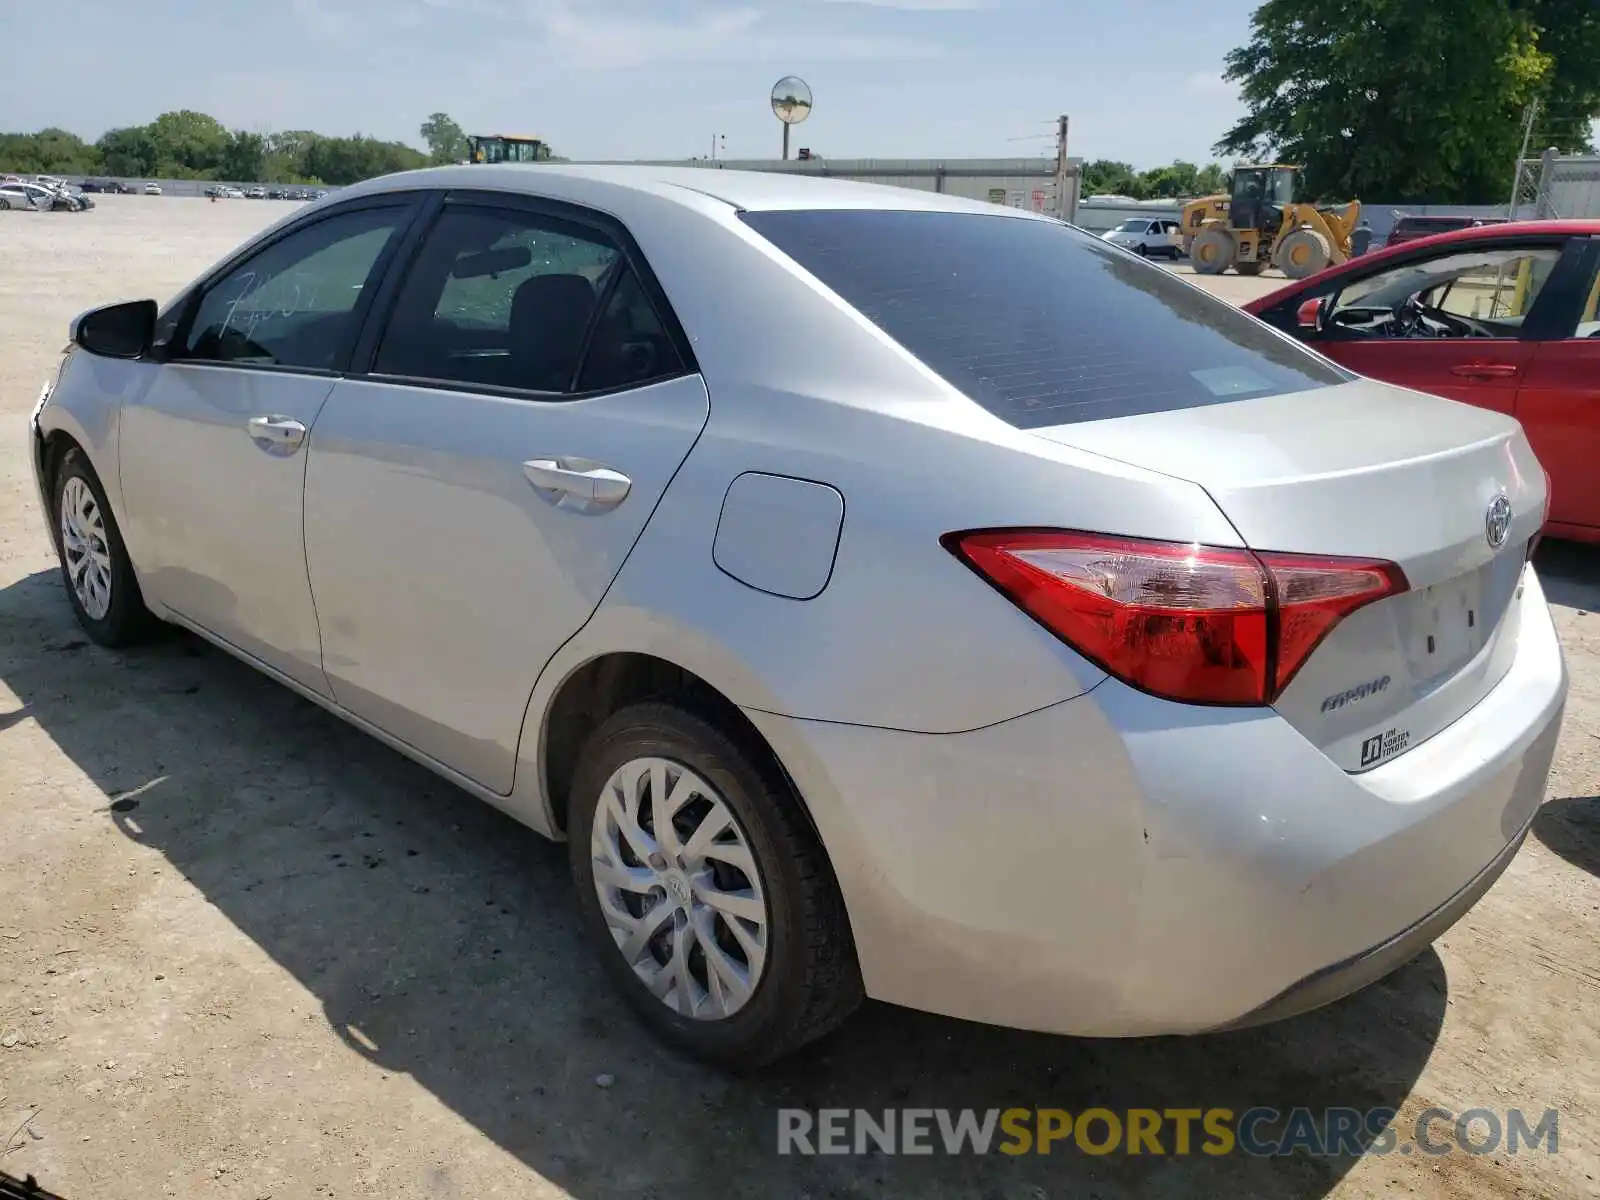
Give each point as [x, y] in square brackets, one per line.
[645, 78]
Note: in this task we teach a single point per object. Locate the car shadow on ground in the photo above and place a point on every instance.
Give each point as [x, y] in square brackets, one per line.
[1570, 825]
[1570, 574]
[440, 939]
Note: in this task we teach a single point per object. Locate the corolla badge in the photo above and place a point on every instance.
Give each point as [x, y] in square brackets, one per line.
[1497, 522]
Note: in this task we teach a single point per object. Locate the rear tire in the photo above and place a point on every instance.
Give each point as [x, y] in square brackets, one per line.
[4, 204]
[99, 576]
[658, 905]
[1212, 252]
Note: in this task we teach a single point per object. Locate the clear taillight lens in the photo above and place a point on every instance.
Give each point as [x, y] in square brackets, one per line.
[1200, 624]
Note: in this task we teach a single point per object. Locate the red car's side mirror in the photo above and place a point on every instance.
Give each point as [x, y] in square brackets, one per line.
[1309, 315]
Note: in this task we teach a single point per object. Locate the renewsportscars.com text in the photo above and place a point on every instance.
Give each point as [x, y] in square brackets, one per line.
[1258, 1132]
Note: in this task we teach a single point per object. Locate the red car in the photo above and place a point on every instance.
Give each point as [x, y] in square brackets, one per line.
[1501, 316]
[1409, 229]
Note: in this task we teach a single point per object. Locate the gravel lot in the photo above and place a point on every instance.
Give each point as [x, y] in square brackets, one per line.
[247, 952]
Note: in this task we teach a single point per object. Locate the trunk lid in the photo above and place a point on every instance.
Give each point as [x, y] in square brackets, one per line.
[1367, 470]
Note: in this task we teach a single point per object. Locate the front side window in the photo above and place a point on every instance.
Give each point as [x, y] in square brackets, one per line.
[1485, 292]
[499, 298]
[295, 303]
[1037, 322]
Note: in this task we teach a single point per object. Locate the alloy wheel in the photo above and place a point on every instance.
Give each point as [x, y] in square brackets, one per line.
[84, 548]
[679, 888]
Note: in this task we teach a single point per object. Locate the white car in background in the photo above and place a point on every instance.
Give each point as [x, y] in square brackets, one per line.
[39, 199]
[1148, 236]
[152, 189]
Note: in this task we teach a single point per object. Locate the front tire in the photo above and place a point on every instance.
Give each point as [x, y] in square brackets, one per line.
[708, 897]
[1303, 253]
[99, 576]
[1213, 251]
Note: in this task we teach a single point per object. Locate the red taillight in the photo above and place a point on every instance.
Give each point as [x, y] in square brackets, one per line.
[1201, 624]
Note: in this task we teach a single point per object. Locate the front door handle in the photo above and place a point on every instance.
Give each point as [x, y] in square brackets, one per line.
[280, 436]
[577, 483]
[1485, 370]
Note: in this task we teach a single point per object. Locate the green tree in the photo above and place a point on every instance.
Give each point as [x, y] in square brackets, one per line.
[446, 141]
[1103, 177]
[244, 158]
[1398, 99]
[1569, 31]
[48, 152]
[1211, 180]
[127, 153]
[188, 144]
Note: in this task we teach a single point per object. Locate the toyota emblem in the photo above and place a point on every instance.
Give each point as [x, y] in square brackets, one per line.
[1497, 523]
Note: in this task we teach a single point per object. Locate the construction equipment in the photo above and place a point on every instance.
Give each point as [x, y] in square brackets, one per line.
[506, 148]
[1260, 225]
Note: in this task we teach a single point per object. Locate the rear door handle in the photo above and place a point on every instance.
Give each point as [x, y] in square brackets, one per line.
[1485, 370]
[277, 435]
[577, 483]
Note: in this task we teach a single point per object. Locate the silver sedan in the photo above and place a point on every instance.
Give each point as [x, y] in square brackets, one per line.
[882, 594]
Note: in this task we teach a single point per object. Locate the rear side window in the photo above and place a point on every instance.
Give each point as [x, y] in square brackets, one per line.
[1037, 322]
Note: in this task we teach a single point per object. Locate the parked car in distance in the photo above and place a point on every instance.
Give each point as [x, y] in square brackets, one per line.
[1503, 316]
[1409, 229]
[1148, 236]
[33, 197]
[598, 441]
[152, 189]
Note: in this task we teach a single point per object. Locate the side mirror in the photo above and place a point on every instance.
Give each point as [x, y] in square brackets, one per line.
[1308, 316]
[117, 330]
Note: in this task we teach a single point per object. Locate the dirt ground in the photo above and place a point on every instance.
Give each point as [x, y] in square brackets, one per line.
[246, 952]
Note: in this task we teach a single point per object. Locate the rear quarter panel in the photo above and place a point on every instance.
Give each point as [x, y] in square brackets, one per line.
[903, 636]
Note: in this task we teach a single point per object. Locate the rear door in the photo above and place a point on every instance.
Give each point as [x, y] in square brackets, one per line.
[1459, 321]
[1559, 402]
[471, 495]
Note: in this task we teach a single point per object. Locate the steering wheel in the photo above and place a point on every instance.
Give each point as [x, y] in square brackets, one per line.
[1408, 320]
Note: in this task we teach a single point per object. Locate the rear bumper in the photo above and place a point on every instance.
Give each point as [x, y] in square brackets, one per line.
[1344, 978]
[1119, 865]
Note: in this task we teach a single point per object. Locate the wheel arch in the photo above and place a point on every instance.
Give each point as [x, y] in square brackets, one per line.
[592, 689]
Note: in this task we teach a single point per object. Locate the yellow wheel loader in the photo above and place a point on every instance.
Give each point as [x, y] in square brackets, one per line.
[1261, 225]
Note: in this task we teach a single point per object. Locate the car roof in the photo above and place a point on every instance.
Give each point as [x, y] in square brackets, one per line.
[1505, 231]
[751, 191]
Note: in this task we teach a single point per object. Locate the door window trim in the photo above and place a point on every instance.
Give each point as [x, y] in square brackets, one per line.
[610, 230]
[187, 307]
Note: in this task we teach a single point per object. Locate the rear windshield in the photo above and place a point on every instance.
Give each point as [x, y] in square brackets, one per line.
[1038, 322]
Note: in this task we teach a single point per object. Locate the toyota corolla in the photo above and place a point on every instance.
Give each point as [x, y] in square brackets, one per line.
[882, 594]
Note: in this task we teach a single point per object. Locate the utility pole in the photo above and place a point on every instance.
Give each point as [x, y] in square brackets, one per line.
[1066, 187]
[718, 140]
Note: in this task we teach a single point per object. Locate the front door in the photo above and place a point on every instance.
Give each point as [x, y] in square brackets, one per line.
[1485, 372]
[213, 441]
[1461, 321]
[471, 499]
[1559, 406]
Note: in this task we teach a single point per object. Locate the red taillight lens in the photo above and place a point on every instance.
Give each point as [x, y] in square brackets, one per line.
[1201, 624]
